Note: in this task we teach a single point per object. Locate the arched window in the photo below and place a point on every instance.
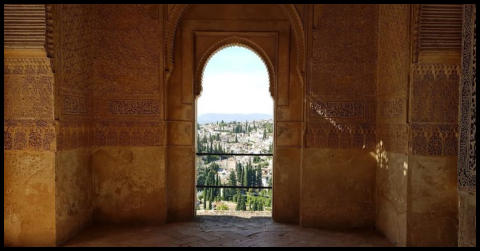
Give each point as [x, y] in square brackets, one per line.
[234, 134]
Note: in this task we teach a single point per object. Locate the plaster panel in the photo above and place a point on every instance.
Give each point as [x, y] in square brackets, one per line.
[129, 184]
[29, 198]
[432, 201]
[286, 197]
[343, 59]
[467, 216]
[391, 196]
[288, 133]
[393, 50]
[180, 133]
[181, 181]
[73, 192]
[337, 189]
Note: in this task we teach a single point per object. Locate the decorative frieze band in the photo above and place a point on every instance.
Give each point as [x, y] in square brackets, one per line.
[37, 135]
[108, 133]
[435, 93]
[342, 111]
[324, 135]
[26, 66]
[393, 137]
[434, 140]
[134, 107]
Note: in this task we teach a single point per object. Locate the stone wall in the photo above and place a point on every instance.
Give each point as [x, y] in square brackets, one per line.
[338, 172]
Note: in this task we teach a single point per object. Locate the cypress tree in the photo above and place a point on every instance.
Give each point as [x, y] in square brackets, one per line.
[259, 176]
[204, 199]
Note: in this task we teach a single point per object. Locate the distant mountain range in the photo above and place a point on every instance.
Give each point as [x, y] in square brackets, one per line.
[229, 117]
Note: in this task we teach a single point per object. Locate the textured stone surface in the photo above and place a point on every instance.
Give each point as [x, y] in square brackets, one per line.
[432, 201]
[73, 192]
[391, 196]
[181, 182]
[329, 173]
[129, 184]
[467, 217]
[29, 198]
[224, 231]
[286, 177]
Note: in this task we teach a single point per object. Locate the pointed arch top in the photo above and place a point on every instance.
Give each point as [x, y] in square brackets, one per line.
[176, 11]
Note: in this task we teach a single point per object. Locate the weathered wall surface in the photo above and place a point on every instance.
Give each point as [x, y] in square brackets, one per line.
[135, 194]
[74, 192]
[348, 172]
[341, 75]
[128, 157]
[29, 198]
[393, 69]
[29, 149]
[432, 201]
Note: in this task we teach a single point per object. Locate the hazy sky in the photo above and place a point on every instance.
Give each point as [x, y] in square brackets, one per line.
[235, 80]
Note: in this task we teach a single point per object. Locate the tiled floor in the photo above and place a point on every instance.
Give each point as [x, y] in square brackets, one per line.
[223, 231]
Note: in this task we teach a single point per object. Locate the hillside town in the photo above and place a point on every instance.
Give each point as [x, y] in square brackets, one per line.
[254, 171]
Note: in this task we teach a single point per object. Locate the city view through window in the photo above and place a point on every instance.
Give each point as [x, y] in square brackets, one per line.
[234, 135]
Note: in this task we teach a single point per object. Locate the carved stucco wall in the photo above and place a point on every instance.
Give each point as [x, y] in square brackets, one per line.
[391, 153]
[29, 131]
[338, 172]
[106, 116]
[433, 119]
[128, 159]
[467, 129]
[71, 49]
